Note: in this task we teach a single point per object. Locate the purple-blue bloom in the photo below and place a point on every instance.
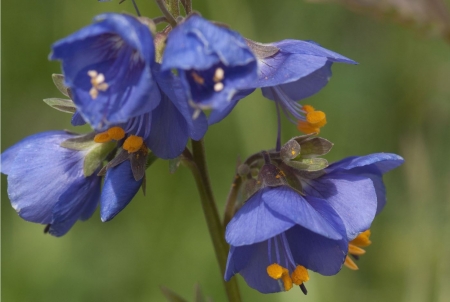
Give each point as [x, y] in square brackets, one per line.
[289, 71]
[108, 68]
[309, 225]
[46, 183]
[213, 62]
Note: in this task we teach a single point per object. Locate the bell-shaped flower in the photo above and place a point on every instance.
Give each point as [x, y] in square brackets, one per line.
[279, 233]
[213, 62]
[108, 68]
[47, 183]
[289, 71]
[167, 129]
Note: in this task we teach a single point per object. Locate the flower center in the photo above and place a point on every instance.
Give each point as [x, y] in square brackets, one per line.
[98, 83]
[298, 276]
[132, 143]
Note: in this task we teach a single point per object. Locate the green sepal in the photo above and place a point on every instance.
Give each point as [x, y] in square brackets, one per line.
[309, 164]
[170, 295]
[94, 158]
[63, 105]
[314, 146]
[82, 142]
[260, 50]
[58, 80]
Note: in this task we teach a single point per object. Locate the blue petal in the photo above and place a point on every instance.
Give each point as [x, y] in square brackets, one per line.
[173, 89]
[121, 48]
[251, 262]
[255, 222]
[353, 197]
[219, 113]
[384, 162]
[199, 44]
[316, 215]
[118, 190]
[42, 171]
[317, 253]
[77, 119]
[78, 202]
[305, 86]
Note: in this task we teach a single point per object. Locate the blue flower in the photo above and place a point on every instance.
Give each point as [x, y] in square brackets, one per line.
[167, 129]
[288, 230]
[46, 183]
[107, 67]
[213, 62]
[289, 71]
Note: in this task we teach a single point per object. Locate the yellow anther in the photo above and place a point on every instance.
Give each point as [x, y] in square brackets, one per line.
[133, 143]
[354, 250]
[308, 108]
[218, 87]
[275, 271]
[218, 75]
[362, 240]
[98, 83]
[300, 275]
[350, 264]
[102, 137]
[306, 128]
[287, 281]
[197, 79]
[116, 133]
[316, 118]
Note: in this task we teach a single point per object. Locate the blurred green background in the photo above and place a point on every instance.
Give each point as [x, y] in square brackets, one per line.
[396, 100]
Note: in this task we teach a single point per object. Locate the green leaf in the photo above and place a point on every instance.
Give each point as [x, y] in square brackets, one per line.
[63, 105]
[170, 295]
[58, 79]
[95, 157]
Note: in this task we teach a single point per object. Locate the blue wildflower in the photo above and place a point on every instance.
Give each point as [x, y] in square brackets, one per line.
[294, 220]
[107, 67]
[46, 182]
[213, 62]
[289, 71]
[167, 129]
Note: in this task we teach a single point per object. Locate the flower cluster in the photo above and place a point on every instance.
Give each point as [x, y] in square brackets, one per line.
[145, 94]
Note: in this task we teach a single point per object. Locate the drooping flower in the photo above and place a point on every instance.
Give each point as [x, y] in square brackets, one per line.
[47, 183]
[213, 62]
[108, 69]
[289, 71]
[278, 229]
[167, 129]
[301, 213]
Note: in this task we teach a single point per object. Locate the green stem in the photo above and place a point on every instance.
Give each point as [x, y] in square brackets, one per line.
[231, 200]
[197, 164]
[174, 7]
[162, 6]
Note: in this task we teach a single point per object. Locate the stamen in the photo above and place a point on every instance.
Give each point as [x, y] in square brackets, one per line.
[362, 240]
[300, 275]
[116, 133]
[314, 120]
[102, 137]
[218, 75]
[354, 250]
[218, 87]
[198, 79]
[98, 83]
[276, 271]
[350, 264]
[133, 143]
